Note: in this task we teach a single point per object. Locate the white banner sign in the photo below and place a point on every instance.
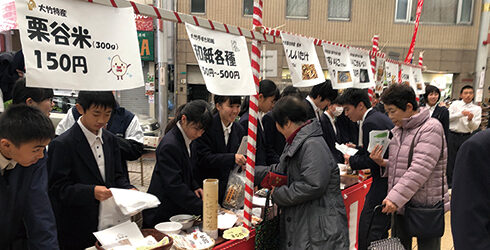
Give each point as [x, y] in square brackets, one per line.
[223, 60]
[361, 66]
[391, 73]
[407, 77]
[419, 81]
[67, 46]
[339, 66]
[302, 60]
[380, 75]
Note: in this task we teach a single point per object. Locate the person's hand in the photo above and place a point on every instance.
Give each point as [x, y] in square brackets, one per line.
[240, 160]
[465, 112]
[199, 192]
[377, 155]
[346, 159]
[350, 145]
[389, 207]
[102, 193]
[134, 189]
[470, 116]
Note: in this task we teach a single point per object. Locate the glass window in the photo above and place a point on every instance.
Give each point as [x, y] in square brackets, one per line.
[401, 10]
[339, 9]
[248, 7]
[297, 8]
[435, 11]
[466, 11]
[198, 6]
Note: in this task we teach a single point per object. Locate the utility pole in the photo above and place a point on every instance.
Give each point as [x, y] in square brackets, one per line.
[482, 51]
[161, 70]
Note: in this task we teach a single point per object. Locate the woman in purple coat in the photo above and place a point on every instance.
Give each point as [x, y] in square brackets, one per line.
[422, 181]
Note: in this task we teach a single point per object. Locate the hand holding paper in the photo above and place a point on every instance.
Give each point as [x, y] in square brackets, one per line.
[379, 137]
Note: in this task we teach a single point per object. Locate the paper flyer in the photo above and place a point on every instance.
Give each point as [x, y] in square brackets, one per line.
[381, 137]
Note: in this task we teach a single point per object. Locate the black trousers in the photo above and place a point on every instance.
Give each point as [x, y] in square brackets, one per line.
[455, 140]
[406, 239]
[379, 228]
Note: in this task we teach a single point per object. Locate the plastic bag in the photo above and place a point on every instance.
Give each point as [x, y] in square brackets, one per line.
[235, 190]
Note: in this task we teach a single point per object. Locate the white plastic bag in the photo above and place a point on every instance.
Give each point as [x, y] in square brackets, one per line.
[235, 190]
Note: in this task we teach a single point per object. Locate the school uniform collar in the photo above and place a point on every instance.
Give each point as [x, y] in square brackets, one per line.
[91, 137]
[225, 127]
[365, 114]
[315, 108]
[6, 164]
[187, 141]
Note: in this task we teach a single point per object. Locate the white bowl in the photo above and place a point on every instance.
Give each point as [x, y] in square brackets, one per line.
[169, 227]
[183, 217]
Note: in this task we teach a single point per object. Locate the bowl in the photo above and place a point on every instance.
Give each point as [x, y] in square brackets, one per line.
[169, 227]
[185, 219]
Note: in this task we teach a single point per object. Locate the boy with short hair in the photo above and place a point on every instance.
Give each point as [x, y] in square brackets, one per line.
[24, 133]
[83, 163]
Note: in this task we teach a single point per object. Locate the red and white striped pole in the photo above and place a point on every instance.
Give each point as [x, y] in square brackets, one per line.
[252, 118]
[373, 64]
[421, 59]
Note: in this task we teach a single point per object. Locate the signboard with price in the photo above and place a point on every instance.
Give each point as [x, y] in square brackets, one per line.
[339, 66]
[223, 60]
[66, 48]
[361, 66]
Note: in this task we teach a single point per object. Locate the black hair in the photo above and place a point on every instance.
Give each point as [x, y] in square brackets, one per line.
[431, 89]
[289, 108]
[465, 87]
[267, 88]
[220, 99]
[324, 90]
[104, 99]
[291, 91]
[21, 93]
[352, 96]
[197, 112]
[400, 95]
[23, 124]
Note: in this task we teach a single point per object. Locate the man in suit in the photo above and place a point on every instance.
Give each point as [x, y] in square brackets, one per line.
[24, 201]
[470, 199]
[319, 98]
[358, 108]
[331, 130]
[83, 163]
[216, 149]
[431, 97]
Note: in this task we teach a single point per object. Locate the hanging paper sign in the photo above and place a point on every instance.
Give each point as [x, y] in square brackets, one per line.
[65, 49]
[302, 60]
[361, 66]
[380, 75]
[223, 60]
[391, 73]
[339, 66]
[407, 77]
[7, 15]
[419, 80]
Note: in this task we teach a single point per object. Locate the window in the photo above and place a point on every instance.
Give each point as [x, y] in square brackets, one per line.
[297, 8]
[198, 6]
[436, 11]
[248, 7]
[339, 9]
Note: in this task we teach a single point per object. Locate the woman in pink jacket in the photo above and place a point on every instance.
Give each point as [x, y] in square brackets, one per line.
[422, 182]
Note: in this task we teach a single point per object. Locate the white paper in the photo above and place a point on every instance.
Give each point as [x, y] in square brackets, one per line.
[131, 202]
[391, 72]
[260, 201]
[344, 149]
[242, 149]
[67, 46]
[479, 95]
[124, 231]
[224, 61]
[419, 81]
[408, 78]
[380, 137]
[110, 214]
[339, 66]
[380, 75]
[361, 66]
[302, 61]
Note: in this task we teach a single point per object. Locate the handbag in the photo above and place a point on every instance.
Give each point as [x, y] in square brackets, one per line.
[425, 221]
[267, 232]
[392, 243]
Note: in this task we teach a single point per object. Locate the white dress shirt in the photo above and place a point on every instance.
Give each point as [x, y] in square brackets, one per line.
[458, 122]
[332, 121]
[186, 139]
[226, 131]
[361, 142]
[318, 111]
[95, 142]
[432, 108]
[6, 164]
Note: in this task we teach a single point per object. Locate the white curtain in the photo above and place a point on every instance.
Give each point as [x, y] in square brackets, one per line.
[339, 8]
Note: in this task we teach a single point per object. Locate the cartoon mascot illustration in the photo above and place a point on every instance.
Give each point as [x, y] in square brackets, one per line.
[118, 67]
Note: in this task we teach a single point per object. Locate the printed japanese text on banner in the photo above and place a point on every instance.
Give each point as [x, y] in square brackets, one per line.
[391, 72]
[339, 66]
[419, 80]
[361, 66]
[66, 49]
[407, 77]
[302, 60]
[380, 77]
[224, 61]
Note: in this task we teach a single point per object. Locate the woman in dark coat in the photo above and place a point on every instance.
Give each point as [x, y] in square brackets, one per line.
[312, 209]
[172, 180]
